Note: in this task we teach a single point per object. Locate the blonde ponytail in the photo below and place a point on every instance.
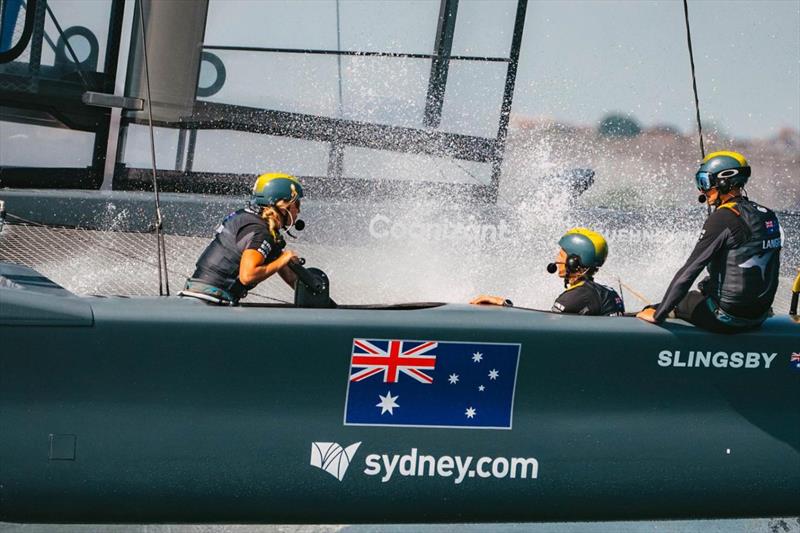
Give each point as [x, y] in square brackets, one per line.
[273, 218]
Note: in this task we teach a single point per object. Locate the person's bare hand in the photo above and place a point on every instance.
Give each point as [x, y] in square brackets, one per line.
[648, 315]
[288, 255]
[485, 299]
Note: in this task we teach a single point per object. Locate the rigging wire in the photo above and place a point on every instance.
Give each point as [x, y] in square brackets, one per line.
[163, 279]
[694, 78]
[694, 87]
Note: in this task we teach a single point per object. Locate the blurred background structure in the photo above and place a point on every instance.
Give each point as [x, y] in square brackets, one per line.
[431, 114]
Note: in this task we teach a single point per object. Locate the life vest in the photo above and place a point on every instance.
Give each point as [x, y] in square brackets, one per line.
[219, 263]
[743, 280]
[587, 297]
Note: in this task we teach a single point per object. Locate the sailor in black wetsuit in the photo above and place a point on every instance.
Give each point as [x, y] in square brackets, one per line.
[740, 244]
[247, 247]
[581, 253]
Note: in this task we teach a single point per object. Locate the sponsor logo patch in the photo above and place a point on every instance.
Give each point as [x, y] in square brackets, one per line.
[431, 384]
[265, 248]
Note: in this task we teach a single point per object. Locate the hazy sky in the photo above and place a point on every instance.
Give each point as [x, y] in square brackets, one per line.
[582, 58]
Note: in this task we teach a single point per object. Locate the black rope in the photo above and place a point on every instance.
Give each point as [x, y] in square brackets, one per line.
[694, 79]
[163, 286]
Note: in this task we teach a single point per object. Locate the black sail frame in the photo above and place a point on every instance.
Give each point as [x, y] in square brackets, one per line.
[341, 132]
[338, 132]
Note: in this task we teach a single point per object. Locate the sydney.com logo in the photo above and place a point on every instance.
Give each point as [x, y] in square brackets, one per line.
[332, 458]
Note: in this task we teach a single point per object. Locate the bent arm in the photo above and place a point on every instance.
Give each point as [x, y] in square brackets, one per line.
[716, 232]
[252, 271]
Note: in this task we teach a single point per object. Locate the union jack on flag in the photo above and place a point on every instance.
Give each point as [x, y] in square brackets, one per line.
[410, 358]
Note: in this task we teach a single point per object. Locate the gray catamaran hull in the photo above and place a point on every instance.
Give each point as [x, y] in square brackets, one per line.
[170, 410]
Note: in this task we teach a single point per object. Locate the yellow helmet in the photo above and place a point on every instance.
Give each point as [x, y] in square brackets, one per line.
[271, 187]
[585, 248]
[724, 169]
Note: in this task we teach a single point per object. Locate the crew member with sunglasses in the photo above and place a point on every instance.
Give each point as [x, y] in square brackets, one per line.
[740, 245]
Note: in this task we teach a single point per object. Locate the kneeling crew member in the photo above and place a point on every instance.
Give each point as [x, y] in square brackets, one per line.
[740, 244]
[581, 253]
[247, 247]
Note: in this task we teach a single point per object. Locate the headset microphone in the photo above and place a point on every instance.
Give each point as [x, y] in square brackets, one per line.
[552, 268]
[299, 225]
[702, 198]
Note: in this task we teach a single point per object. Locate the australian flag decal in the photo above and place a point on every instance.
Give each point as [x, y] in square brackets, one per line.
[794, 361]
[431, 384]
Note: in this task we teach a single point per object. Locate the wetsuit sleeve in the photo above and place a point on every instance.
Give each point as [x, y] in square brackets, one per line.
[574, 302]
[717, 231]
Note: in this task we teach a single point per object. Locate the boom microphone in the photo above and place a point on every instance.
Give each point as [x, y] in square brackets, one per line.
[298, 225]
[702, 198]
[552, 268]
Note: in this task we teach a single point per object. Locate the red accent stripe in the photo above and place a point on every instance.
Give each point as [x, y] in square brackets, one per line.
[418, 362]
[365, 375]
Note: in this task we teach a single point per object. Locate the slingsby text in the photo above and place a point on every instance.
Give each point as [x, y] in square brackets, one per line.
[699, 359]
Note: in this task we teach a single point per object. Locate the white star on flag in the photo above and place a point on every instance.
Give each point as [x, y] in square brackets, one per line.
[453, 379]
[387, 403]
[493, 374]
[470, 412]
[477, 357]
[481, 388]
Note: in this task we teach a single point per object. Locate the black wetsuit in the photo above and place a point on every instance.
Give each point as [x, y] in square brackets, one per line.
[219, 263]
[588, 297]
[740, 243]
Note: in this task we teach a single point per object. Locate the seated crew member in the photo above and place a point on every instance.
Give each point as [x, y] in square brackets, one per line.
[740, 244]
[581, 253]
[247, 247]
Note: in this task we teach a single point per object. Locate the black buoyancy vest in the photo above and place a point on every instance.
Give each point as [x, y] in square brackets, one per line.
[610, 302]
[744, 279]
[218, 265]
